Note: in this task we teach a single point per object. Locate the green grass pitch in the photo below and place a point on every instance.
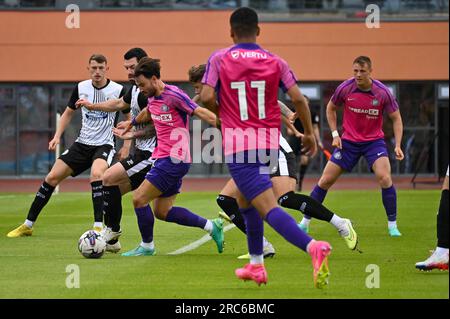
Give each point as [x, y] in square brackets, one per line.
[35, 267]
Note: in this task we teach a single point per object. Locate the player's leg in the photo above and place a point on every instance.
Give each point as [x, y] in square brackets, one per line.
[100, 159]
[123, 177]
[164, 210]
[115, 184]
[330, 175]
[256, 187]
[255, 269]
[58, 173]
[283, 187]
[286, 226]
[439, 258]
[142, 196]
[227, 201]
[382, 169]
[98, 168]
[304, 163]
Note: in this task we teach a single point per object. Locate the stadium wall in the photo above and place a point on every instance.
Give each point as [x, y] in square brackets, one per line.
[38, 47]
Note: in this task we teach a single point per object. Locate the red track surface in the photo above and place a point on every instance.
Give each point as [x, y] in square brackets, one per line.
[216, 184]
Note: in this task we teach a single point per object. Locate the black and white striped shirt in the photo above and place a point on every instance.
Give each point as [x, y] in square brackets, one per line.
[96, 126]
[138, 101]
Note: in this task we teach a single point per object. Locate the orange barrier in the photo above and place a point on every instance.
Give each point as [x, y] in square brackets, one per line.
[37, 46]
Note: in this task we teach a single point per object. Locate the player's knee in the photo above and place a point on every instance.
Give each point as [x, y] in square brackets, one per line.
[96, 175]
[108, 179]
[225, 202]
[52, 179]
[161, 215]
[385, 180]
[326, 182]
[285, 199]
[139, 200]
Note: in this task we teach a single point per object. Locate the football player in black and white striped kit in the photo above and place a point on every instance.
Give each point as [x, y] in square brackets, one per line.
[129, 173]
[94, 147]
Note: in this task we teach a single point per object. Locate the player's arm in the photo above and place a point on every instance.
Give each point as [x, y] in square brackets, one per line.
[302, 109]
[397, 122]
[123, 104]
[290, 127]
[147, 132]
[112, 105]
[143, 117]
[206, 115]
[124, 151]
[286, 111]
[332, 123]
[288, 117]
[65, 119]
[208, 98]
[317, 135]
[196, 99]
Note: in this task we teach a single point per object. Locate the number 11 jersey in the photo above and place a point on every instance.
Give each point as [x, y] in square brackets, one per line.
[246, 79]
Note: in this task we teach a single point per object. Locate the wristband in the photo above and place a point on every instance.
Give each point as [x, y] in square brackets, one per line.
[335, 134]
[133, 122]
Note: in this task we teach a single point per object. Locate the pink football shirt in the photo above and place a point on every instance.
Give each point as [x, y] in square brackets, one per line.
[170, 112]
[363, 110]
[246, 79]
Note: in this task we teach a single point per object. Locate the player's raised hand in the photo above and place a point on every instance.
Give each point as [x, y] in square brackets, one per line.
[83, 102]
[293, 117]
[399, 154]
[52, 144]
[337, 142]
[122, 124]
[120, 134]
[127, 128]
[298, 134]
[309, 145]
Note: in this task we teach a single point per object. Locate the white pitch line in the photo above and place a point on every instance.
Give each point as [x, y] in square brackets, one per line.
[199, 242]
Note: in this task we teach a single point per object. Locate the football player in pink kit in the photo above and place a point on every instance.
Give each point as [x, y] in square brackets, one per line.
[169, 108]
[244, 80]
[365, 100]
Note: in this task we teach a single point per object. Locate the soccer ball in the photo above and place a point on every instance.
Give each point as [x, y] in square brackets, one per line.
[92, 244]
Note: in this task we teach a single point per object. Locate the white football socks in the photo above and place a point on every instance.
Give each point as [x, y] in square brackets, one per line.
[29, 223]
[339, 223]
[305, 221]
[209, 226]
[148, 245]
[98, 224]
[392, 224]
[256, 259]
[441, 251]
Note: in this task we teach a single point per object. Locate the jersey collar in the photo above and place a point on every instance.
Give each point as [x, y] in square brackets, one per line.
[107, 83]
[247, 46]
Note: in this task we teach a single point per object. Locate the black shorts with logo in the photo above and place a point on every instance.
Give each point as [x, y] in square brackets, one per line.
[137, 166]
[287, 165]
[79, 157]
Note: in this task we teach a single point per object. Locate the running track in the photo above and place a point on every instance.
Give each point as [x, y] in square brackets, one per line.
[19, 185]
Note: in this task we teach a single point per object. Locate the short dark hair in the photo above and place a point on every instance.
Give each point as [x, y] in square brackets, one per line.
[148, 67]
[196, 73]
[137, 53]
[361, 60]
[244, 22]
[99, 58]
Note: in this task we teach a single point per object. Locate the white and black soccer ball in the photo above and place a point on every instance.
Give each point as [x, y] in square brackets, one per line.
[92, 244]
